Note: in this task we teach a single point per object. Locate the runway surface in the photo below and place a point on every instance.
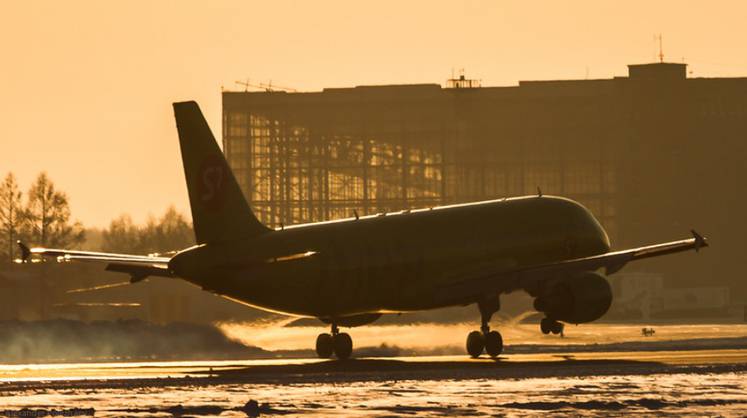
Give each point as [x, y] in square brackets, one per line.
[666, 383]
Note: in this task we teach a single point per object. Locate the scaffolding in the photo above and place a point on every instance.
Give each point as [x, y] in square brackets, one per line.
[304, 157]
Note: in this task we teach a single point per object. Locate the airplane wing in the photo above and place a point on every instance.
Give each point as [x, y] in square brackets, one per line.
[137, 266]
[503, 280]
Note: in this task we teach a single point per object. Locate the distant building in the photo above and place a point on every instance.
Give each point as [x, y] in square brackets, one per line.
[643, 296]
[652, 154]
[691, 298]
[634, 293]
[19, 295]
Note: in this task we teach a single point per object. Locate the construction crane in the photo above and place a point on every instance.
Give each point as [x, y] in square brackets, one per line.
[270, 87]
[266, 87]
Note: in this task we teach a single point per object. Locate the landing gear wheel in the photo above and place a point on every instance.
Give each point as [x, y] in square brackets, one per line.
[556, 328]
[324, 346]
[343, 346]
[545, 326]
[475, 344]
[493, 344]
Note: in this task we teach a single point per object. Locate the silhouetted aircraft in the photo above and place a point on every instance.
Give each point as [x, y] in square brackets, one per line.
[349, 272]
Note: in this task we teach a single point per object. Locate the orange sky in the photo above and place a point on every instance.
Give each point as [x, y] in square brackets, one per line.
[86, 86]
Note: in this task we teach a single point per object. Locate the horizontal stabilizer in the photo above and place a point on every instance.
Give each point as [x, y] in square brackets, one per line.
[137, 266]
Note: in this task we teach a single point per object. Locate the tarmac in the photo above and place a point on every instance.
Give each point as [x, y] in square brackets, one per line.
[369, 369]
[668, 383]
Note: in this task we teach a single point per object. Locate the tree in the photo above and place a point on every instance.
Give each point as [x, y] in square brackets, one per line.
[171, 232]
[11, 215]
[48, 216]
[122, 236]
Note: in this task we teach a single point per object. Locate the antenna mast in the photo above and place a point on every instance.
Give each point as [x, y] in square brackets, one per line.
[661, 50]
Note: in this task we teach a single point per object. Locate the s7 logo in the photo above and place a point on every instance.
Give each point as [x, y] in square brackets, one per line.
[212, 179]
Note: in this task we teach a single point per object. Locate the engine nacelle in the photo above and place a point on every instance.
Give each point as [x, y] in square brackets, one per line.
[576, 299]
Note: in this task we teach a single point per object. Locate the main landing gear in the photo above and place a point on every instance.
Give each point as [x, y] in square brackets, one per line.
[485, 340]
[338, 343]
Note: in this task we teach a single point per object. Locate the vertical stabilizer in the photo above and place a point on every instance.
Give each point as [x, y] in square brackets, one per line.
[219, 210]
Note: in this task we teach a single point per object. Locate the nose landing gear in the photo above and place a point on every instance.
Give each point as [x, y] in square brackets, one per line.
[548, 325]
[485, 340]
[337, 342]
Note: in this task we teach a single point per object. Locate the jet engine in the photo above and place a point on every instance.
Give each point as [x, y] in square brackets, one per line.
[576, 299]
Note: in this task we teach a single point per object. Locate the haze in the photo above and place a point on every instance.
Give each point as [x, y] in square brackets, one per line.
[87, 86]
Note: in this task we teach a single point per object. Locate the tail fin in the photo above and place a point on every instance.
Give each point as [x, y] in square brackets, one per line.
[219, 210]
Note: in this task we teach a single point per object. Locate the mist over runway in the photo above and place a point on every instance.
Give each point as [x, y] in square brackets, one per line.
[448, 338]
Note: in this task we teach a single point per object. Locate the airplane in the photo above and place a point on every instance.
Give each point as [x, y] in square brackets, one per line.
[349, 272]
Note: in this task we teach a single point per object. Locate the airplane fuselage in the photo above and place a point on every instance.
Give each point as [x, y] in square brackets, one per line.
[395, 262]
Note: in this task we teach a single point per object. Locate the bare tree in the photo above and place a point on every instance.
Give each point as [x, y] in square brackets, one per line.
[48, 216]
[11, 214]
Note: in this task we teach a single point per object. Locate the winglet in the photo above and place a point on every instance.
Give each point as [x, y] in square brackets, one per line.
[700, 241]
[25, 251]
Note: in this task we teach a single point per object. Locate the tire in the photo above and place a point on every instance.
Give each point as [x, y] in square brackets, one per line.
[475, 344]
[343, 346]
[324, 346]
[494, 344]
[556, 327]
[545, 326]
